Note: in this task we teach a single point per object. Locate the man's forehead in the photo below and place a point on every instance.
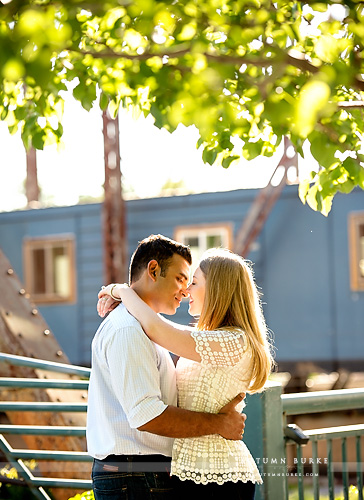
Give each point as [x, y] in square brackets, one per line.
[181, 265]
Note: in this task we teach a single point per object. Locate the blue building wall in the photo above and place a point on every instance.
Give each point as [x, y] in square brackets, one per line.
[72, 324]
[301, 263]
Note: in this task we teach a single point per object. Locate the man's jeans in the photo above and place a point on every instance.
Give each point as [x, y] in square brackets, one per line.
[128, 481]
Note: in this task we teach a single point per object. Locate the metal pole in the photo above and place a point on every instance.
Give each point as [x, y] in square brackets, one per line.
[114, 214]
[31, 184]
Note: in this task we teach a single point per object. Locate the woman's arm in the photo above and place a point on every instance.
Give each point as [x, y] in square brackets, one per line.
[172, 336]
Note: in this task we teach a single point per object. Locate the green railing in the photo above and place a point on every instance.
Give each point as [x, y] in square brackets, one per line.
[323, 401]
[268, 435]
[16, 457]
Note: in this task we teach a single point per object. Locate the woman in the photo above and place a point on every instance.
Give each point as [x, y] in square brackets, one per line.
[228, 352]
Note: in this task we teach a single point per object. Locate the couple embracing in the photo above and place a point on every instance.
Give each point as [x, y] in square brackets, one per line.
[142, 410]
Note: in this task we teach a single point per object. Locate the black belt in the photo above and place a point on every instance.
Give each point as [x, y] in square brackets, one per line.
[133, 463]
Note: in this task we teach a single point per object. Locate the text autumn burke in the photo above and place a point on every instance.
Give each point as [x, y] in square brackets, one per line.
[302, 461]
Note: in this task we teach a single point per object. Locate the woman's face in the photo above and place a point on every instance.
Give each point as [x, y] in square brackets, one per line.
[197, 293]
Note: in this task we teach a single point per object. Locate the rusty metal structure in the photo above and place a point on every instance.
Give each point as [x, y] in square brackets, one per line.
[114, 214]
[31, 183]
[264, 202]
[24, 332]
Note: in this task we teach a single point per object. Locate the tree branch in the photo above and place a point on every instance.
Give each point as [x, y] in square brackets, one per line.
[134, 57]
[299, 62]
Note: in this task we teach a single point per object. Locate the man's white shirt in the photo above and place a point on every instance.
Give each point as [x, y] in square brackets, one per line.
[132, 381]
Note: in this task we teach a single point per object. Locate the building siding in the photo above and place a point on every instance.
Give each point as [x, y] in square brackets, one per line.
[301, 264]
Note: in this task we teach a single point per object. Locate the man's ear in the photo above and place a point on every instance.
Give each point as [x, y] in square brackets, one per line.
[153, 269]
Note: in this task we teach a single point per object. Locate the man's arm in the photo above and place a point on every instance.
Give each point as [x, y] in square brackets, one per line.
[137, 386]
[178, 423]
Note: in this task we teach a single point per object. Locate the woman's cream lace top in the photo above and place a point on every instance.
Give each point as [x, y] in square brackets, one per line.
[224, 372]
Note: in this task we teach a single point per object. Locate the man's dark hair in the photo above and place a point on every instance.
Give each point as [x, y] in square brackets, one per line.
[156, 247]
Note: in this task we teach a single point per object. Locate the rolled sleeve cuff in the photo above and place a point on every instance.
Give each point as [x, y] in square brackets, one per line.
[145, 412]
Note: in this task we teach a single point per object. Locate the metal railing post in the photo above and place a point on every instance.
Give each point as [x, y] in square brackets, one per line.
[264, 437]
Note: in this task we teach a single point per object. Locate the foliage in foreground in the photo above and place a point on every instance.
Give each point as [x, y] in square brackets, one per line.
[13, 491]
[86, 495]
[353, 495]
[246, 73]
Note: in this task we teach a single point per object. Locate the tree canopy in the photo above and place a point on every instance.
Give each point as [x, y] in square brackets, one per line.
[250, 69]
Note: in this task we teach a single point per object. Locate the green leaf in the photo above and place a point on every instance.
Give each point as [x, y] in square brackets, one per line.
[313, 198]
[361, 179]
[113, 108]
[303, 190]
[328, 48]
[20, 113]
[79, 91]
[13, 129]
[312, 99]
[323, 150]
[104, 101]
[38, 140]
[318, 202]
[352, 167]
[251, 150]
[188, 32]
[226, 162]
[209, 155]
[347, 186]
[326, 205]
[225, 142]
[199, 142]
[13, 70]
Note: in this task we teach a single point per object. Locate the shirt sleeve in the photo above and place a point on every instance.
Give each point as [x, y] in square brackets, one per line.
[133, 365]
[220, 348]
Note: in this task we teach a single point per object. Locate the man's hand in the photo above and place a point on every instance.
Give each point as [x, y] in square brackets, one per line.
[233, 422]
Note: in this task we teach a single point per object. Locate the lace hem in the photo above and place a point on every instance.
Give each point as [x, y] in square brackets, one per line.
[201, 478]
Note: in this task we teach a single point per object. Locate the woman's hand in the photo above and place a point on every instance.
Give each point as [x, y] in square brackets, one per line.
[109, 298]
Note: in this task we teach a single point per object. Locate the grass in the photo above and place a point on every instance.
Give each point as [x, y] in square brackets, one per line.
[353, 495]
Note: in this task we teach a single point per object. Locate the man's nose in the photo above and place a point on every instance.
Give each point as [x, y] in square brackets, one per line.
[185, 292]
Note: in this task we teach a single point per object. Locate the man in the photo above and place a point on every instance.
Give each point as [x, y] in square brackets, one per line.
[132, 414]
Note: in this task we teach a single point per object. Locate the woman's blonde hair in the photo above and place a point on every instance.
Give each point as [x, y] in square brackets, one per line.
[232, 300]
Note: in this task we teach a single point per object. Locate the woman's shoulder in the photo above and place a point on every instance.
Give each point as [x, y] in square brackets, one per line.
[223, 346]
[221, 334]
